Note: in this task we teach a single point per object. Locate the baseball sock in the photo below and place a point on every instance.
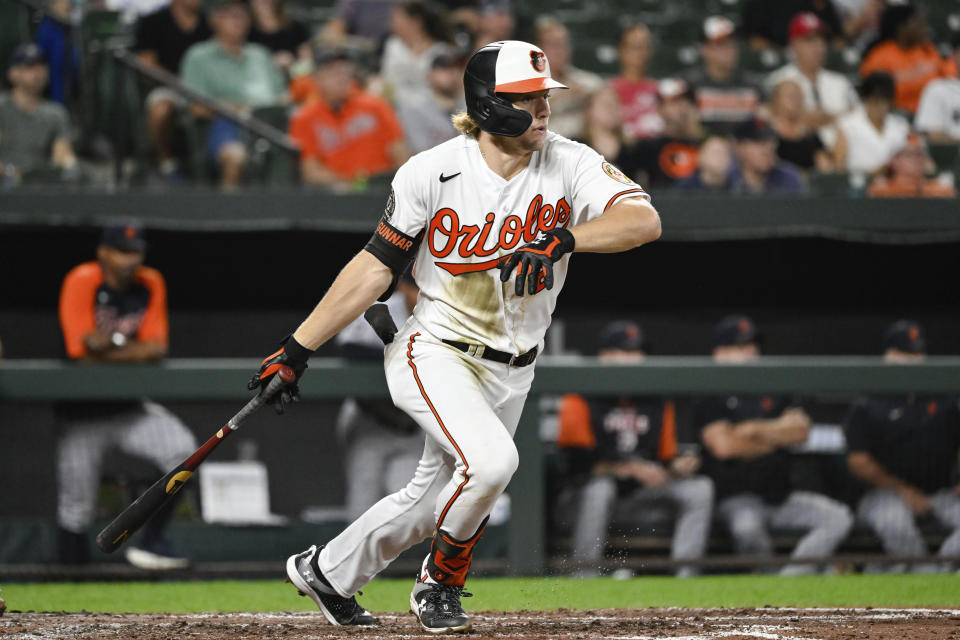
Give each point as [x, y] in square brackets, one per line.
[449, 559]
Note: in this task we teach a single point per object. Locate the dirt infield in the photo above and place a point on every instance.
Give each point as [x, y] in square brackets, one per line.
[689, 624]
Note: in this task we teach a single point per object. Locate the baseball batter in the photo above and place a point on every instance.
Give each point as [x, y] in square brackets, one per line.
[491, 218]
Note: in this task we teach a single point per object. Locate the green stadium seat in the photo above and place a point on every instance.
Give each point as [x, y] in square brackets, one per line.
[829, 184]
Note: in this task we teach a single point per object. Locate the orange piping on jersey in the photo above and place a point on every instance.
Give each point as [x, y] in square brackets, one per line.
[622, 193]
[78, 306]
[575, 429]
[466, 465]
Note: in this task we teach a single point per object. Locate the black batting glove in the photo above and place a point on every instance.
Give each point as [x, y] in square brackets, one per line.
[292, 354]
[535, 257]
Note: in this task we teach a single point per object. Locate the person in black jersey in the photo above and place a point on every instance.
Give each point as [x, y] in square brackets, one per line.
[629, 444]
[905, 448]
[114, 310]
[746, 440]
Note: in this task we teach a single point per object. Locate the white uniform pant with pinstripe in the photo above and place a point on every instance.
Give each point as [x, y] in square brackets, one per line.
[151, 432]
[469, 409]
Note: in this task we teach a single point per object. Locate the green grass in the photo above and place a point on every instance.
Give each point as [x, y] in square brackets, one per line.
[507, 594]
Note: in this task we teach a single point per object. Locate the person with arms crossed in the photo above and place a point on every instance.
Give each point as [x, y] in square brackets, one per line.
[745, 441]
[490, 217]
[905, 448]
[631, 442]
[114, 310]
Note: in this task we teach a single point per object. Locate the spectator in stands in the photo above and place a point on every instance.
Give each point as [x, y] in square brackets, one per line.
[161, 39]
[714, 160]
[420, 34]
[114, 310]
[567, 108]
[630, 448]
[766, 24]
[345, 134]
[637, 91]
[746, 440]
[382, 444]
[797, 142]
[870, 136]
[426, 118]
[938, 115]
[826, 94]
[603, 131]
[34, 133]
[368, 20]
[496, 20]
[288, 39]
[904, 448]
[906, 175]
[757, 170]
[861, 20]
[672, 155]
[725, 96]
[237, 73]
[904, 50]
[61, 51]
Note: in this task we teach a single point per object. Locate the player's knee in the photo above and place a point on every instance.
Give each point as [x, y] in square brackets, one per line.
[840, 519]
[697, 493]
[493, 476]
[748, 525]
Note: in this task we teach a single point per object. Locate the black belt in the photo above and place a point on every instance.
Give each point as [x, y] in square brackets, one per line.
[483, 351]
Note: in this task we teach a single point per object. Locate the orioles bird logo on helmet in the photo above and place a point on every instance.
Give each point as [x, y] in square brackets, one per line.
[538, 60]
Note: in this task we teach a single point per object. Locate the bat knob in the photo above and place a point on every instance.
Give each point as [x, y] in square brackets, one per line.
[286, 374]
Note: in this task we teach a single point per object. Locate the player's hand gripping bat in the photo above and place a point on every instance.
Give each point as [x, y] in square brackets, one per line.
[132, 518]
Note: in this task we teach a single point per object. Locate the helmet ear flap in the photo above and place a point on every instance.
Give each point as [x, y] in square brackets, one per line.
[492, 113]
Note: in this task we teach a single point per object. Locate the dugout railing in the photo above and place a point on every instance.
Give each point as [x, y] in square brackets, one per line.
[30, 381]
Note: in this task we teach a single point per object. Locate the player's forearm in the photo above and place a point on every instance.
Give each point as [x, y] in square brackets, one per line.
[865, 467]
[359, 284]
[627, 224]
[132, 351]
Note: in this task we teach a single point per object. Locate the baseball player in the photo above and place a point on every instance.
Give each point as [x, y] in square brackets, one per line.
[114, 309]
[491, 217]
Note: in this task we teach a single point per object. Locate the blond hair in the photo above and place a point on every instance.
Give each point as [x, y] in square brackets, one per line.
[465, 124]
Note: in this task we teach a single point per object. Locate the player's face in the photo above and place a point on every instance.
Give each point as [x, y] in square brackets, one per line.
[118, 266]
[537, 104]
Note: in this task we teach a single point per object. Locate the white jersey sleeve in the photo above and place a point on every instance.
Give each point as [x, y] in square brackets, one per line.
[406, 209]
[597, 185]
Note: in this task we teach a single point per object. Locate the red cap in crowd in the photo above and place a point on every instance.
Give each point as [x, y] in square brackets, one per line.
[804, 25]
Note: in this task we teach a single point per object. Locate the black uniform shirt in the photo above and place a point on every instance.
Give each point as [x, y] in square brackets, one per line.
[767, 476]
[915, 438]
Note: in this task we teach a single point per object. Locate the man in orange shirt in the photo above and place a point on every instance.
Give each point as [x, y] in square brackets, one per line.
[114, 310]
[905, 52]
[345, 134]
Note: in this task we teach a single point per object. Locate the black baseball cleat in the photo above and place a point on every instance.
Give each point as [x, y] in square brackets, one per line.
[437, 607]
[305, 574]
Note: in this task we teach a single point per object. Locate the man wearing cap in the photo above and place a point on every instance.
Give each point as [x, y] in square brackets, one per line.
[629, 446]
[426, 117]
[745, 440]
[904, 449]
[114, 310]
[34, 133]
[758, 171]
[826, 94]
[345, 133]
[489, 217]
[238, 73]
[671, 156]
[725, 96]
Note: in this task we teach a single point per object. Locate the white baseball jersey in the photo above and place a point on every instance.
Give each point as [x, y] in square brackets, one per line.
[471, 218]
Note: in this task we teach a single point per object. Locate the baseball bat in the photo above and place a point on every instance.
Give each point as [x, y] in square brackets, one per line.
[379, 318]
[133, 517]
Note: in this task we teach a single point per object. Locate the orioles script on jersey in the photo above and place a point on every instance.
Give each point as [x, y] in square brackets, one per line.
[445, 234]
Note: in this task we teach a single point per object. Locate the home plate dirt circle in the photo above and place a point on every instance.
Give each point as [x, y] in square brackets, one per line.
[620, 624]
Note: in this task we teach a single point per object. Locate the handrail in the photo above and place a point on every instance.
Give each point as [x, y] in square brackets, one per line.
[273, 135]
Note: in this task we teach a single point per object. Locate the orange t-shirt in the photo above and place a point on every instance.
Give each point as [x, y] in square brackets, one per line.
[576, 428]
[911, 69]
[353, 141]
[86, 305]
